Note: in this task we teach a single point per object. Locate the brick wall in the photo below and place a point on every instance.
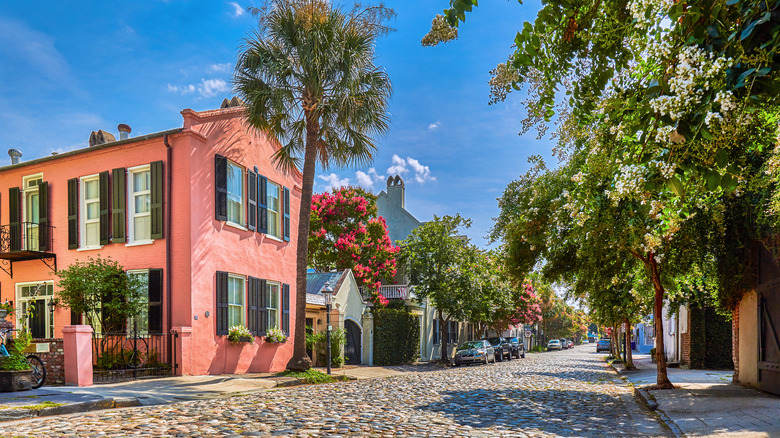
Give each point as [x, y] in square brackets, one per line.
[54, 361]
[685, 357]
[735, 342]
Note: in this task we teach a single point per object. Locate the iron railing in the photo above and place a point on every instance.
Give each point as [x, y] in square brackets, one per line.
[26, 236]
[129, 356]
[393, 292]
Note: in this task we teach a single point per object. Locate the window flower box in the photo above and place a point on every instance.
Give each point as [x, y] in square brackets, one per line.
[240, 334]
[275, 336]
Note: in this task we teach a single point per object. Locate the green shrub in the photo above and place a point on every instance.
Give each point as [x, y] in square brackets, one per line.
[309, 376]
[17, 360]
[536, 349]
[338, 338]
[396, 336]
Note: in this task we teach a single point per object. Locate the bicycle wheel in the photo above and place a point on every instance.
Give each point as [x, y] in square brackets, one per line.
[38, 371]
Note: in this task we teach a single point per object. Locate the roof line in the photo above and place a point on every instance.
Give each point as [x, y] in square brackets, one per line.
[91, 148]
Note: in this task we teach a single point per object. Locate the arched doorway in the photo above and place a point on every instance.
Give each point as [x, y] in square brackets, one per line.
[352, 350]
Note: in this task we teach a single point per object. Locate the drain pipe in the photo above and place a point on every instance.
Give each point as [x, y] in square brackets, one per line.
[168, 294]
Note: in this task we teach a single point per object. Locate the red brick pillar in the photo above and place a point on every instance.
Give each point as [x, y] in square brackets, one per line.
[77, 343]
[183, 350]
[735, 342]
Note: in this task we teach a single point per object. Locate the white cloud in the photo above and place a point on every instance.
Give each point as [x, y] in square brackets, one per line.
[400, 166]
[220, 68]
[238, 10]
[367, 180]
[433, 126]
[206, 88]
[333, 181]
[421, 173]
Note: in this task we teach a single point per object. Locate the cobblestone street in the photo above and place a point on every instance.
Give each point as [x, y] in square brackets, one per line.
[569, 393]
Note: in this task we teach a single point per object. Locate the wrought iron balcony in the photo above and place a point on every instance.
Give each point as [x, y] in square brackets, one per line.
[394, 292]
[26, 241]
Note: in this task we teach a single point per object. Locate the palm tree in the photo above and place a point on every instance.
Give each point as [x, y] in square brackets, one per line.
[308, 79]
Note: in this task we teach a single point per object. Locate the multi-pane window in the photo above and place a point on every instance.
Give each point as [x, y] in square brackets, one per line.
[31, 211]
[274, 208]
[273, 304]
[140, 204]
[35, 299]
[235, 194]
[236, 293]
[140, 321]
[90, 212]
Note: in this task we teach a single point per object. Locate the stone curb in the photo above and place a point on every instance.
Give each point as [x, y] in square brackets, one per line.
[72, 408]
[648, 400]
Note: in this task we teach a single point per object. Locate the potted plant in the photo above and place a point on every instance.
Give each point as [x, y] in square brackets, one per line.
[239, 333]
[15, 371]
[6, 308]
[275, 336]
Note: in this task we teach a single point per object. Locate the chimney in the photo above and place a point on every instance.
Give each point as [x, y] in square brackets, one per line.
[15, 154]
[396, 193]
[100, 137]
[124, 131]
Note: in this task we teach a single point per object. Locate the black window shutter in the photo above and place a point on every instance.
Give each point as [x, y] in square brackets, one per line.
[43, 217]
[435, 331]
[156, 181]
[104, 216]
[253, 301]
[251, 211]
[222, 303]
[15, 218]
[118, 205]
[286, 309]
[220, 185]
[155, 300]
[286, 214]
[262, 309]
[73, 217]
[262, 204]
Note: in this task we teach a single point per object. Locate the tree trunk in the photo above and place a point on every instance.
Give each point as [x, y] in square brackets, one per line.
[629, 356]
[662, 380]
[300, 361]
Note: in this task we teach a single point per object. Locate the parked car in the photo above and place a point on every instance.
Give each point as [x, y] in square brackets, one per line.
[570, 343]
[603, 344]
[564, 343]
[554, 344]
[517, 348]
[502, 346]
[474, 352]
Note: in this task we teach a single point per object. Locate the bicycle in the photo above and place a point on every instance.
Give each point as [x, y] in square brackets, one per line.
[36, 364]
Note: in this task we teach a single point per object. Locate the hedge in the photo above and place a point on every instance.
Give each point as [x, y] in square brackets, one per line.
[396, 336]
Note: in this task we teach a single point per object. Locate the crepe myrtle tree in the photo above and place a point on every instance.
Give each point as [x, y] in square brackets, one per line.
[348, 233]
[309, 80]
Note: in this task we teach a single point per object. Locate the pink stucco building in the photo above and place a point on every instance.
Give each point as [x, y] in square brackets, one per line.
[199, 212]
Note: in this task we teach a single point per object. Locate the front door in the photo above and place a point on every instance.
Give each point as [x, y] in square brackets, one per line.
[37, 321]
[352, 351]
[768, 323]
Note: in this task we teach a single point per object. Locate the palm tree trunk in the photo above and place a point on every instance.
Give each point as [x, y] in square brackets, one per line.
[662, 380]
[300, 361]
[443, 329]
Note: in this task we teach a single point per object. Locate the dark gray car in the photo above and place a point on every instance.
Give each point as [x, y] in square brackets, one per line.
[502, 347]
[474, 352]
[517, 347]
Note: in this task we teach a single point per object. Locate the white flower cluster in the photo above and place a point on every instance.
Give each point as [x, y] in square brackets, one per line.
[666, 169]
[655, 208]
[440, 32]
[577, 177]
[629, 181]
[639, 8]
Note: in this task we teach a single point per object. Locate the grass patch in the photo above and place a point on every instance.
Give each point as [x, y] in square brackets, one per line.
[40, 406]
[309, 376]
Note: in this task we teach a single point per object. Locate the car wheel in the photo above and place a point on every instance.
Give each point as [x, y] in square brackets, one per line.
[494, 357]
[509, 356]
[499, 357]
[523, 356]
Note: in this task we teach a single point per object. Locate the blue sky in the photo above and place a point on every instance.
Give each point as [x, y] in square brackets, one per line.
[69, 68]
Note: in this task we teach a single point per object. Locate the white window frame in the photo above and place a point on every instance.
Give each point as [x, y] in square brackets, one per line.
[48, 309]
[26, 192]
[269, 290]
[145, 298]
[279, 214]
[242, 214]
[131, 213]
[83, 212]
[243, 304]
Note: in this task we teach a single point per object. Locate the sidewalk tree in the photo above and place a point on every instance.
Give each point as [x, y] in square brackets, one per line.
[441, 264]
[309, 81]
[101, 290]
[348, 233]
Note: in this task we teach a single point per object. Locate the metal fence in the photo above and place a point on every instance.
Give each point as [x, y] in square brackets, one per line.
[130, 356]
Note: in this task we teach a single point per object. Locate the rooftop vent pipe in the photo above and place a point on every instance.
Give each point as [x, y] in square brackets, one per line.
[15, 154]
[124, 131]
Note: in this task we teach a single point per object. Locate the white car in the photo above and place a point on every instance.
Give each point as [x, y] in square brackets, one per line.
[555, 344]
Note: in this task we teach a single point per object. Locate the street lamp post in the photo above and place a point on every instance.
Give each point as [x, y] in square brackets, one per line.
[327, 293]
